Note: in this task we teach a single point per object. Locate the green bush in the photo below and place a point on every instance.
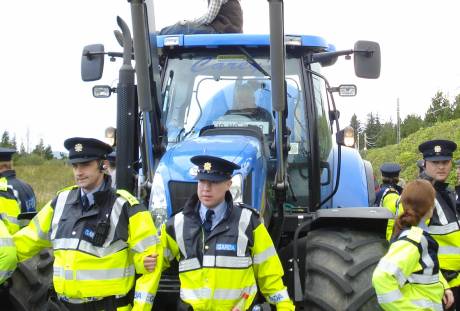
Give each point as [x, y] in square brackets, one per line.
[407, 154]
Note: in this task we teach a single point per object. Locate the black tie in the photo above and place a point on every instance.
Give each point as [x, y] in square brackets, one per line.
[85, 202]
[208, 221]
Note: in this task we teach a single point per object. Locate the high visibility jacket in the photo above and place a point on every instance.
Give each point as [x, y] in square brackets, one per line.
[9, 206]
[388, 197]
[408, 276]
[84, 271]
[444, 228]
[8, 259]
[22, 191]
[216, 270]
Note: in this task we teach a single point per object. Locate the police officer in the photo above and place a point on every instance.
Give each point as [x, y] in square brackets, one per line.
[23, 191]
[8, 258]
[444, 224]
[389, 192]
[9, 206]
[101, 238]
[223, 249]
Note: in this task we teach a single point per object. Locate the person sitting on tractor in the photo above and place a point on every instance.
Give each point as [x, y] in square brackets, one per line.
[222, 16]
[223, 249]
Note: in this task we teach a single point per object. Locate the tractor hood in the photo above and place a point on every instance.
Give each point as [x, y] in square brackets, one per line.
[242, 150]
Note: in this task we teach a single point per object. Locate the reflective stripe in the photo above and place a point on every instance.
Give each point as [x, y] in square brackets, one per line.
[65, 244]
[266, 254]
[427, 304]
[389, 297]
[384, 194]
[58, 209]
[189, 264]
[146, 243]
[440, 212]
[41, 235]
[114, 218]
[233, 294]
[226, 261]
[195, 294]
[6, 242]
[10, 219]
[425, 257]
[282, 295]
[423, 279]
[94, 275]
[179, 229]
[105, 274]
[242, 226]
[390, 267]
[446, 229]
[102, 251]
[144, 297]
[448, 250]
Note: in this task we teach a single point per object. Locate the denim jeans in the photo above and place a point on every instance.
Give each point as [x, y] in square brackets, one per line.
[187, 29]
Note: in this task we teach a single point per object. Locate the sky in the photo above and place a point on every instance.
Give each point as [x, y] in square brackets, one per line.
[43, 96]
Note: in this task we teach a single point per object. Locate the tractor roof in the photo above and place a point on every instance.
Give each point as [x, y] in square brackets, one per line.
[245, 40]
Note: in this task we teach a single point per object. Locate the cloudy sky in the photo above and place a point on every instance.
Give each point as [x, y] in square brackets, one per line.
[43, 95]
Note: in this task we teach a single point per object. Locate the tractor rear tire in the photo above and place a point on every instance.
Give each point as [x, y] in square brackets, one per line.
[32, 282]
[339, 266]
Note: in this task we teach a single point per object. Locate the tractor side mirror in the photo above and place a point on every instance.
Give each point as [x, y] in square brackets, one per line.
[367, 59]
[346, 137]
[92, 62]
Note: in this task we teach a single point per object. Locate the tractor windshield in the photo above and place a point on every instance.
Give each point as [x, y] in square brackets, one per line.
[227, 90]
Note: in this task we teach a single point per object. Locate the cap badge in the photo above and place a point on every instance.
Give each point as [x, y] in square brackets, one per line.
[437, 149]
[78, 147]
[207, 166]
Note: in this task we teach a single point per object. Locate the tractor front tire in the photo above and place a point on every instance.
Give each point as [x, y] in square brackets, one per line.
[339, 266]
[32, 282]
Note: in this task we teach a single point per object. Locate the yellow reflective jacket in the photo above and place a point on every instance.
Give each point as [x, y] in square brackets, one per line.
[444, 228]
[237, 256]
[84, 270]
[8, 259]
[9, 206]
[408, 276]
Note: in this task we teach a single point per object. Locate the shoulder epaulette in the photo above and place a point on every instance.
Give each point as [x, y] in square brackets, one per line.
[415, 234]
[249, 207]
[128, 196]
[67, 189]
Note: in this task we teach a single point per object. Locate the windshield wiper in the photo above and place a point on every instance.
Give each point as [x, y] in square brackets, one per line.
[253, 62]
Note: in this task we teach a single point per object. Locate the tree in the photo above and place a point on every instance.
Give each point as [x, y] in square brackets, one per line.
[6, 141]
[456, 107]
[411, 124]
[356, 125]
[22, 150]
[387, 135]
[439, 111]
[373, 130]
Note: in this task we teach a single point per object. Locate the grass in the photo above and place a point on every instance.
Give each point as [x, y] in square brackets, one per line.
[46, 178]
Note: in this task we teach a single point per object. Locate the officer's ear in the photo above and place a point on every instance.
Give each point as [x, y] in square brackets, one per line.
[103, 165]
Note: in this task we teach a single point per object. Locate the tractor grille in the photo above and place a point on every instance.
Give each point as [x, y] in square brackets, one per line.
[180, 192]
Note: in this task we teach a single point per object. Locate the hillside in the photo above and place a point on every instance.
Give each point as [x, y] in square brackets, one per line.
[45, 178]
[406, 154]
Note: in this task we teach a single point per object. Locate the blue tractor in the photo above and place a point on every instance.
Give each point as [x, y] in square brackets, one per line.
[259, 101]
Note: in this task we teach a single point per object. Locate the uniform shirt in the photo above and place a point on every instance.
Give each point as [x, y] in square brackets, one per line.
[90, 194]
[213, 9]
[219, 213]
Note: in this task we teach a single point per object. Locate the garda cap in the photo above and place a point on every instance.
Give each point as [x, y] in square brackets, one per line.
[6, 153]
[437, 150]
[86, 149]
[213, 168]
[390, 169]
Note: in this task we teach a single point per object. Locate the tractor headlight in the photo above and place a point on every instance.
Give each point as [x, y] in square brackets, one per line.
[236, 189]
[158, 205]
